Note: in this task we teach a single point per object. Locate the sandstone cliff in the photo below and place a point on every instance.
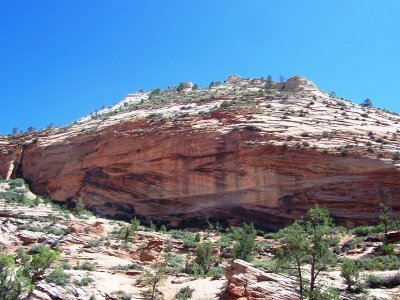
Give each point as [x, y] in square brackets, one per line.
[245, 149]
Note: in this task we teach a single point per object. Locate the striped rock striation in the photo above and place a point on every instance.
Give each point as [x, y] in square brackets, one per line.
[245, 149]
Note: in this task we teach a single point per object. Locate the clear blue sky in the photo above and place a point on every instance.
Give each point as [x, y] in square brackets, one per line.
[60, 60]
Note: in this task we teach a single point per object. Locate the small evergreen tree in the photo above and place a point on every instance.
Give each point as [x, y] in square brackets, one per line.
[153, 278]
[269, 83]
[308, 243]
[245, 242]
[127, 232]
[204, 256]
[349, 272]
[367, 103]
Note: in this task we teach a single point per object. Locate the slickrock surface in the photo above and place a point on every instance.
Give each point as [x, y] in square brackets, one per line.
[247, 282]
[245, 149]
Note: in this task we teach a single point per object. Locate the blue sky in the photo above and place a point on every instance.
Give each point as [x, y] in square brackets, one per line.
[60, 60]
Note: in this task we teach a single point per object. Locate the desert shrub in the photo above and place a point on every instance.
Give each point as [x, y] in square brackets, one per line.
[85, 281]
[54, 230]
[216, 273]
[252, 128]
[267, 264]
[155, 116]
[85, 266]
[184, 293]
[163, 229]
[387, 262]
[154, 93]
[175, 264]
[386, 249]
[366, 230]
[374, 281]
[65, 265]
[349, 245]
[132, 266]
[58, 277]
[92, 244]
[17, 182]
[226, 104]
[122, 295]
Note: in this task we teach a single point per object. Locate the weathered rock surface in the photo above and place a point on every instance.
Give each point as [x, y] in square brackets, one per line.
[247, 282]
[266, 158]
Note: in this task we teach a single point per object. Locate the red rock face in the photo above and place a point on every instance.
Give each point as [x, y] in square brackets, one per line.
[180, 174]
[237, 151]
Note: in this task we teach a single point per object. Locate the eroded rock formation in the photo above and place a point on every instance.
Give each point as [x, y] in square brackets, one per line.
[265, 156]
[247, 282]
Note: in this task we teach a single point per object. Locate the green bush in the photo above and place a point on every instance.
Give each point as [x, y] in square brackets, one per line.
[58, 277]
[85, 281]
[366, 230]
[132, 266]
[17, 182]
[85, 266]
[92, 244]
[121, 295]
[387, 262]
[175, 264]
[386, 249]
[184, 293]
[267, 264]
[374, 281]
[226, 104]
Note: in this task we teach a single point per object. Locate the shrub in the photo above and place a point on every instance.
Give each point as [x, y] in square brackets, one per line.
[267, 264]
[58, 277]
[391, 281]
[386, 249]
[226, 104]
[386, 262]
[366, 230]
[18, 182]
[92, 244]
[184, 293]
[122, 295]
[163, 229]
[155, 116]
[85, 281]
[344, 152]
[154, 93]
[85, 266]
[373, 281]
[132, 266]
[252, 128]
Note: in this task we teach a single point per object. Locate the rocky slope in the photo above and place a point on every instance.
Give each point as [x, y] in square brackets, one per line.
[100, 265]
[90, 248]
[245, 149]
